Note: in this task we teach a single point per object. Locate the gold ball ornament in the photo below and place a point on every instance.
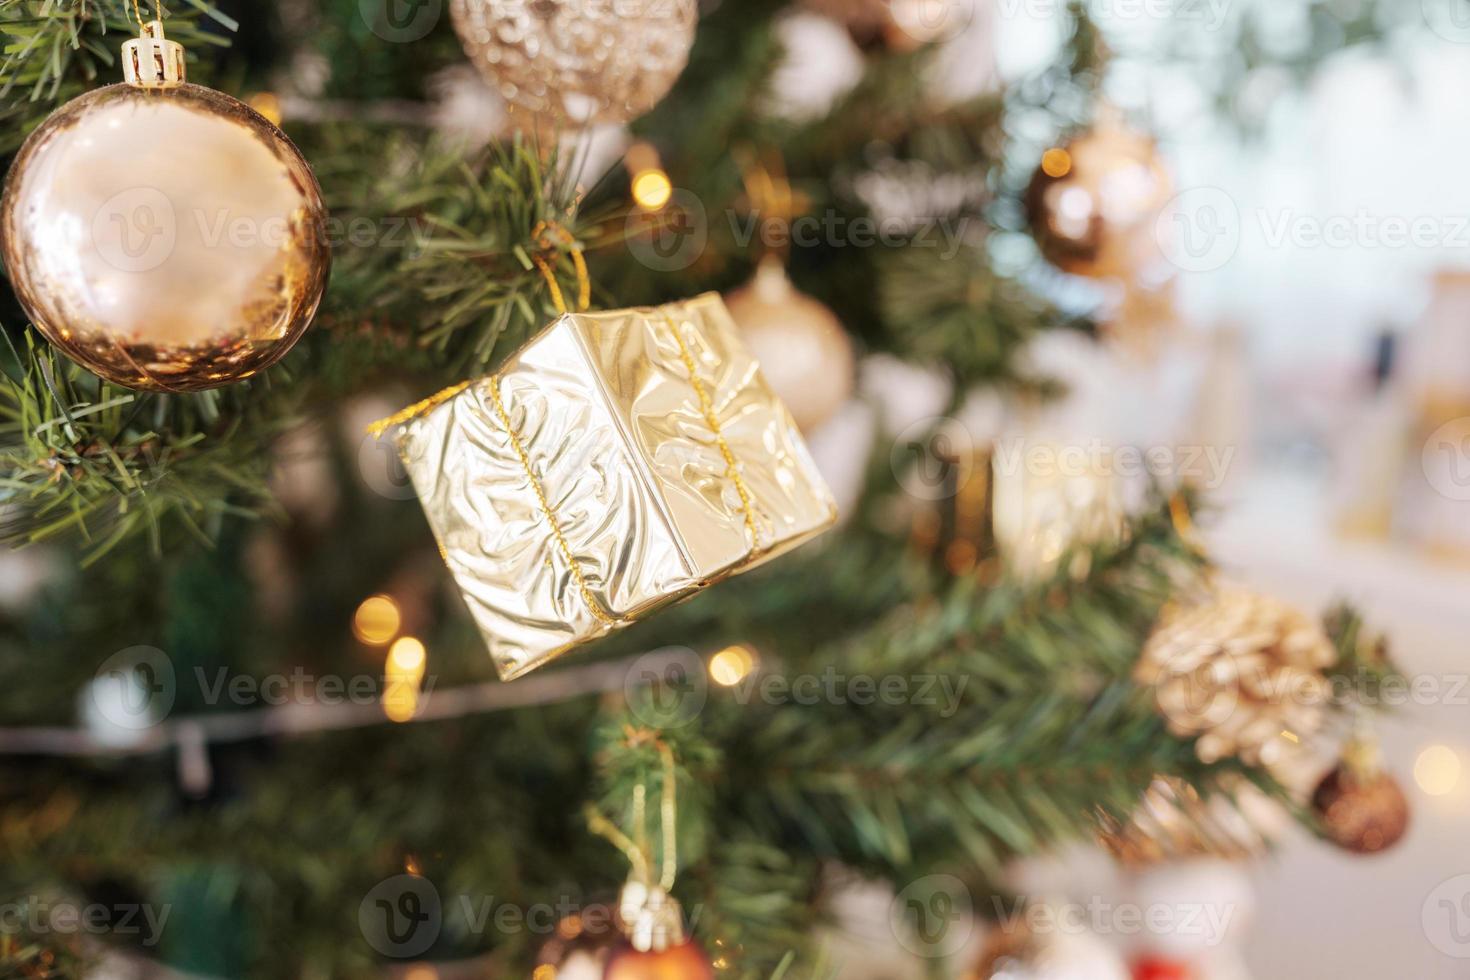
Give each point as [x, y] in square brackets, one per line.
[165, 236]
[897, 25]
[681, 961]
[804, 354]
[1240, 672]
[1093, 201]
[590, 61]
[1362, 808]
[655, 946]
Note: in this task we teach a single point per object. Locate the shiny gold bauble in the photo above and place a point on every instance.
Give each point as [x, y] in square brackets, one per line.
[583, 60]
[1361, 811]
[804, 354]
[168, 240]
[681, 961]
[897, 25]
[1093, 202]
[1241, 673]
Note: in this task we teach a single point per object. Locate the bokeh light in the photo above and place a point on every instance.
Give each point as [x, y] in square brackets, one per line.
[732, 665]
[1437, 770]
[377, 621]
[652, 189]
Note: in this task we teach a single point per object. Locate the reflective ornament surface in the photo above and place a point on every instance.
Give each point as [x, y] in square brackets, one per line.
[683, 961]
[804, 353]
[616, 463]
[166, 239]
[1093, 202]
[586, 60]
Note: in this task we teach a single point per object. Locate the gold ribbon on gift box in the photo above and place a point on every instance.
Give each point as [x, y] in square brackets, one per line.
[647, 447]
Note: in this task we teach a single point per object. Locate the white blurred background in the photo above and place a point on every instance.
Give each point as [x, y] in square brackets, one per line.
[1350, 468]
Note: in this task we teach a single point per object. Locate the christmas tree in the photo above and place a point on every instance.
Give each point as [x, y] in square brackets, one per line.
[247, 690]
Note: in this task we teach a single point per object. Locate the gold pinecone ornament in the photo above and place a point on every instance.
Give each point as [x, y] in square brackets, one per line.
[1242, 672]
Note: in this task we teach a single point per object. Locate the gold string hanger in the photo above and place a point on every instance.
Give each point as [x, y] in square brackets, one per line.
[158, 12]
[650, 917]
[637, 851]
[550, 236]
[769, 195]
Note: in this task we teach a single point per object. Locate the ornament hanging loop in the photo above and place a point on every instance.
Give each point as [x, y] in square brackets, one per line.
[651, 918]
[152, 61]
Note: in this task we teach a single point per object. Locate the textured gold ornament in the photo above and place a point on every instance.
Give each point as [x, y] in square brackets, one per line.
[1044, 515]
[1093, 202]
[1242, 672]
[164, 235]
[616, 463]
[1173, 823]
[991, 509]
[583, 60]
[804, 353]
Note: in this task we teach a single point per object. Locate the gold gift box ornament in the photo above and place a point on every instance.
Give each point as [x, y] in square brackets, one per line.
[616, 463]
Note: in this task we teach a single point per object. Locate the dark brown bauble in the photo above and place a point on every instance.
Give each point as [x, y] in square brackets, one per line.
[167, 239]
[1361, 812]
[682, 961]
[1093, 203]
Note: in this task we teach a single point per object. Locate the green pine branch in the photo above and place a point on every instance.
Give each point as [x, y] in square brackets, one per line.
[53, 50]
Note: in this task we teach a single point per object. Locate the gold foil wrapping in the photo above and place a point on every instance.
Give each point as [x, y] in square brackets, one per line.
[616, 463]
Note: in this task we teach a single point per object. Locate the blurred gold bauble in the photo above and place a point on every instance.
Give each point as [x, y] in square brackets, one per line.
[681, 961]
[1361, 807]
[804, 354]
[897, 25]
[1093, 202]
[585, 60]
[168, 239]
[1241, 672]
